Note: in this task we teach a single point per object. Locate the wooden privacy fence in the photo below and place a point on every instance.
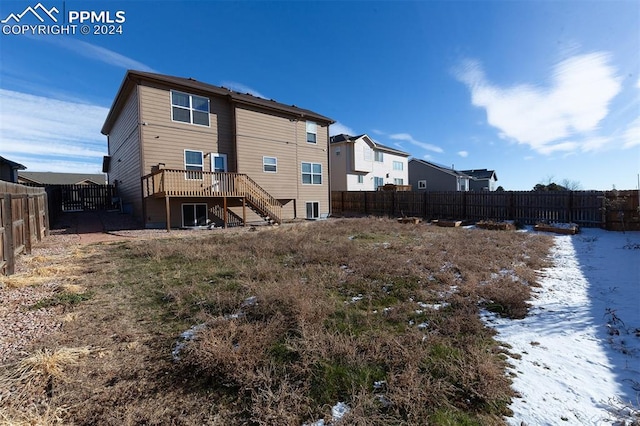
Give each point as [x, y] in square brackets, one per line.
[24, 219]
[585, 208]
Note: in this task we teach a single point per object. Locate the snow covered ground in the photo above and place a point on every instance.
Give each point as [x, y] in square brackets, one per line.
[580, 343]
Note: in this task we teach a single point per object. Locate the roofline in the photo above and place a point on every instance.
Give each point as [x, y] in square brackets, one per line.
[13, 164]
[443, 168]
[133, 77]
[378, 146]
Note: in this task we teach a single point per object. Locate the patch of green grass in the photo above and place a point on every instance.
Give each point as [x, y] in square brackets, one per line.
[283, 353]
[63, 299]
[349, 321]
[337, 381]
[448, 417]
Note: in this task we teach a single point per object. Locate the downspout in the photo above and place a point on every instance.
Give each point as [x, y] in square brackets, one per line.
[330, 211]
[141, 157]
[298, 169]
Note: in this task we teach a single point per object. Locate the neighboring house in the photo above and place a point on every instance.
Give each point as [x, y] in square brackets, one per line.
[52, 178]
[9, 170]
[427, 176]
[358, 163]
[185, 153]
[483, 179]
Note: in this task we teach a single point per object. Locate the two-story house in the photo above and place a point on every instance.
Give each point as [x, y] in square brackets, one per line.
[482, 179]
[185, 153]
[358, 163]
[427, 176]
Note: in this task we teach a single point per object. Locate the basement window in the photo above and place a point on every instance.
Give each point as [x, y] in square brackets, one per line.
[194, 215]
[313, 210]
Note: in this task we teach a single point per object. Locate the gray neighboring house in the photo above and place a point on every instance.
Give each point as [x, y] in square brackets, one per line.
[483, 179]
[428, 176]
[9, 170]
[53, 178]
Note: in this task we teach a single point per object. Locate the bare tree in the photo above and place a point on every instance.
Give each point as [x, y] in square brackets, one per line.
[571, 185]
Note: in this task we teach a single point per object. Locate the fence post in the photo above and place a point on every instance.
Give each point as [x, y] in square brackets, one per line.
[7, 223]
[26, 217]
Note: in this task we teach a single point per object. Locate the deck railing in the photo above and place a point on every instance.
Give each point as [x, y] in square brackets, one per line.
[195, 183]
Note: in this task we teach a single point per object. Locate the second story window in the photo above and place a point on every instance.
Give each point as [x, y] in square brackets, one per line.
[378, 156]
[312, 173]
[312, 132]
[189, 108]
[397, 165]
[270, 164]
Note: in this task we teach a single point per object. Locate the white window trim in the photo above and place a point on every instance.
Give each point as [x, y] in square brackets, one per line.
[194, 205]
[190, 108]
[186, 176]
[264, 164]
[378, 156]
[215, 155]
[306, 204]
[314, 131]
[398, 165]
[311, 173]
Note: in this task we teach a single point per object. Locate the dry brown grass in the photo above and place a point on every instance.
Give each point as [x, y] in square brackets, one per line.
[297, 318]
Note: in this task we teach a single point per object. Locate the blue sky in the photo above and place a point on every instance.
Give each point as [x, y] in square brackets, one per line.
[535, 90]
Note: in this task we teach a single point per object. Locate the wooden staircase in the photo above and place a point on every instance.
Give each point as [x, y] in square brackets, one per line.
[261, 202]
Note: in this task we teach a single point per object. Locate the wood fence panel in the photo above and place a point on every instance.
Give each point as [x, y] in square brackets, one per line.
[616, 210]
[23, 220]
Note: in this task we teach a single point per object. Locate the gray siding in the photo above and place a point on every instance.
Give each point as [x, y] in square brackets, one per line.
[437, 180]
[124, 149]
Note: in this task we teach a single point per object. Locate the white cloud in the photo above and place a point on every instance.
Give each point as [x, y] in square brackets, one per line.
[631, 136]
[241, 88]
[408, 138]
[572, 106]
[463, 154]
[339, 128]
[98, 53]
[40, 132]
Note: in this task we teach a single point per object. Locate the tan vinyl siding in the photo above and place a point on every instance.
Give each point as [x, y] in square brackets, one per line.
[313, 153]
[261, 134]
[338, 165]
[165, 140]
[124, 149]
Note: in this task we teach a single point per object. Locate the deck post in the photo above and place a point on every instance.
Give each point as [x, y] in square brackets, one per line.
[244, 212]
[224, 203]
[168, 212]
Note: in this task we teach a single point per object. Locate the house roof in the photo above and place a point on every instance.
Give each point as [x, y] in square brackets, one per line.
[12, 164]
[52, 178]
[481, 174]
[442, 168]
[133, 78]
[347, 138]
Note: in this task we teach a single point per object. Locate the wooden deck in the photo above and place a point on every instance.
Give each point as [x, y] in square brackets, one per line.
[170, 183]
